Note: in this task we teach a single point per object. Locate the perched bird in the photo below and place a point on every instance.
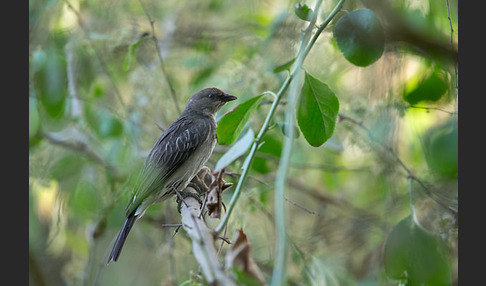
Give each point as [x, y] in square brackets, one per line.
[176, 157]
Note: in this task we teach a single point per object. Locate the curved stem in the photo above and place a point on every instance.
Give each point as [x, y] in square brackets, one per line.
[249, 159]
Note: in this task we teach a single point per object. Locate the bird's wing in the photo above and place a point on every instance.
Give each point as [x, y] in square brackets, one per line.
[178, 142]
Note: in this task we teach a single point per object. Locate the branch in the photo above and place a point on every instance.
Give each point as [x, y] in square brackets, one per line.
[202, 241]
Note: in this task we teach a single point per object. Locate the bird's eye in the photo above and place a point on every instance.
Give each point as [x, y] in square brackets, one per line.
[211, 95]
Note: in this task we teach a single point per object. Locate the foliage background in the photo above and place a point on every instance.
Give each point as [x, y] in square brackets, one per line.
[98, 98]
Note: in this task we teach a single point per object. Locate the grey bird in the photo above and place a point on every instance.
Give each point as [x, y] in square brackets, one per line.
[176, 157]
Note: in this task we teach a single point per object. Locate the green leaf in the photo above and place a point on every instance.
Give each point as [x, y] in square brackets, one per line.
[50, 83]
[232, 123]
[103, 123]
[432, 88]
[237, 150]
[413, 254]
[132, 49]
[67, 167]
[440, 146]
[34, 120]
[360, 37]
[285, 66]
[317, 111]
[303, 11]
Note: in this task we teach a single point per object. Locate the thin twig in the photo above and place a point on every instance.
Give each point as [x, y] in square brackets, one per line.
[432, 108]
[410, 174]
[162, 65]
[301, 207]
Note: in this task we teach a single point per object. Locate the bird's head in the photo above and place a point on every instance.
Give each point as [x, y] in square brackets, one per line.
[208, 101]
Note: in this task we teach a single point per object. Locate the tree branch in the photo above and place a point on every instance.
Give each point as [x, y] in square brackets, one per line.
[202, 242]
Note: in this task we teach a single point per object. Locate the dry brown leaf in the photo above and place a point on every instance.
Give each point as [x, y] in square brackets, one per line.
[239, 256]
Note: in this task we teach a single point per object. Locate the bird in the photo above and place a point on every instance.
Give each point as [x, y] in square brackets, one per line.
[175, 158]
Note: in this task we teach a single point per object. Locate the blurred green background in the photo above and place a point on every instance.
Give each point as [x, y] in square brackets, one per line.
[99, 97]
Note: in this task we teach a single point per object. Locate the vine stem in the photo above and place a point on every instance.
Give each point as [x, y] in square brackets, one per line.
[258, 139]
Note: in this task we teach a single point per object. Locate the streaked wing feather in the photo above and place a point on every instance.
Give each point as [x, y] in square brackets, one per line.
[179, 141]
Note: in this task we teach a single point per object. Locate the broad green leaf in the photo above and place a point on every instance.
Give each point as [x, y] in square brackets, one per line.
[34, 120]
[317, 111]
[415, 255]
[441, 146]
[429, 88]
[303, 11]
[237, 150]
[232, 123]
[360, 37]
[285, 66]
[50, 83]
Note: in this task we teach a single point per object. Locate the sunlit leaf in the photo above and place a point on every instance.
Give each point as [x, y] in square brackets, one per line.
[237, 150]
[414, 255]
[232, 123]
[430, 88]
[360, 37]
[317, 111]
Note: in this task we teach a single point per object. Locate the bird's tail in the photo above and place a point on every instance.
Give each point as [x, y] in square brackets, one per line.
[121, 237]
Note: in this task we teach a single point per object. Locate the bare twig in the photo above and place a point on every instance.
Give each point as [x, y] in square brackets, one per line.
[162, 65]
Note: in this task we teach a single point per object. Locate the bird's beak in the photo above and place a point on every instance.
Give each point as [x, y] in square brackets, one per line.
[229, 97]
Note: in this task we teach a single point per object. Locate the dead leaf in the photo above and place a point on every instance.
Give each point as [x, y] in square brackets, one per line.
[239, 256]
